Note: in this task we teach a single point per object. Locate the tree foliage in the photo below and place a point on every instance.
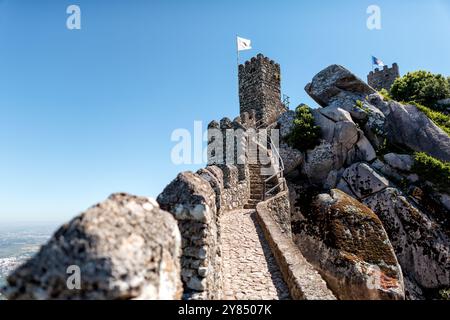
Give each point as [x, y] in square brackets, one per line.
[422, 87]
[305, 134]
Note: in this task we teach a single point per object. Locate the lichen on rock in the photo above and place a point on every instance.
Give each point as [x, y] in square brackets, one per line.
[125, 248]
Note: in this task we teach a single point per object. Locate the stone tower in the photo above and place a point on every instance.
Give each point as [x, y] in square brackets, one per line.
[260, 90]
[383, 79]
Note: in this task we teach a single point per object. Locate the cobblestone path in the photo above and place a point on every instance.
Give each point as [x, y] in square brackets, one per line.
[250, 270]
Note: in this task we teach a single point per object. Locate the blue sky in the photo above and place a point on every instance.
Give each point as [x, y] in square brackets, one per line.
[88, 112]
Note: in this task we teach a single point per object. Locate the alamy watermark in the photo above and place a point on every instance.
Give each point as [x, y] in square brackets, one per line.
[73, 22]
[74, 279]
[374, 19]
[223, 146]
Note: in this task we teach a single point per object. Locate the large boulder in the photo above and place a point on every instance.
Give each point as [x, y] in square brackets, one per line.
[124, 248]
[333, 85]
[336, 114]
[286, 123]
[406, 125]
[343, 143]
[362, 180]
[292, 158]
[336, 88]
[403, 162]
[423, 250]
[319, 162]
[327, 126]
[364, 149]
[347, 243]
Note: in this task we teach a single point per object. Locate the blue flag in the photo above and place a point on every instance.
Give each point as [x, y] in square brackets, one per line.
[377, 62]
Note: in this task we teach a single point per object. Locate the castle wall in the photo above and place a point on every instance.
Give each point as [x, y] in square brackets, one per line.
[192, 201]
[384, 78]
[197, 200]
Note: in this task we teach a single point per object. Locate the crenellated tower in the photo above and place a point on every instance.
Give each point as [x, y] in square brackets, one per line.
[260, 89]
[384, 78]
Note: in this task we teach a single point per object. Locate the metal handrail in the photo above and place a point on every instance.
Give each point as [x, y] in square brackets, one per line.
[280, 171]
[259, 123]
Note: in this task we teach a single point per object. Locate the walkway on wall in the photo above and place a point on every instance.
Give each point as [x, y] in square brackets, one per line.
[249, 268]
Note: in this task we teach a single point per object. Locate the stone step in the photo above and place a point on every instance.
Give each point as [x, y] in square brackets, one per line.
[252, 182]
[258, 166]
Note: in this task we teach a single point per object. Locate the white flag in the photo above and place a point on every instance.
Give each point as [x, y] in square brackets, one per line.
[243, 44]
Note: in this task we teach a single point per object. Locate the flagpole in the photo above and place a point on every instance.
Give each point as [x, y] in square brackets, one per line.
[237, 60]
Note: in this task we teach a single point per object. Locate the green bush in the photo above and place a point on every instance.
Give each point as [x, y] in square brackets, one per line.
[433, 170]
[305, 134]
[385, 94]
[360, 105]
[440, 119]
[422, 87]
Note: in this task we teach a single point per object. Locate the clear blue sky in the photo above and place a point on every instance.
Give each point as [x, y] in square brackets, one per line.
[89, 112]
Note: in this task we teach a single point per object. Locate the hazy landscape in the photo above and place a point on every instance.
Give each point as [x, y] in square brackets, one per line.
[18, 242]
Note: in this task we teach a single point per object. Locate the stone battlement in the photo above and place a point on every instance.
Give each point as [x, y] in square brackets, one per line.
[384, 78]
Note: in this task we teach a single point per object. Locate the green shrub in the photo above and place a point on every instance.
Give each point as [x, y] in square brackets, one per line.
[432, 169]
[305, 134]
[385, 94]
[360, 105]
[421, 86]
[440, 119]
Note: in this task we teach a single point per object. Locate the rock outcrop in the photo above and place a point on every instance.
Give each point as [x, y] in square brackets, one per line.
[346, 241]
[124, 248]
[361, 181]
[411, 215]
[337, 87]
[408, 126]
[421, 246]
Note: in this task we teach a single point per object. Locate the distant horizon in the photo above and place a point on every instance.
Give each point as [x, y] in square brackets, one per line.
[90, 112]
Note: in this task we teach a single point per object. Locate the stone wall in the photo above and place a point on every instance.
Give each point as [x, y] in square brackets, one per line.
[192, 201]
[227, 141]
[232, 192]
[384, 78]
[197, 200]
[259, 89]
[303, 281]
[280, 210]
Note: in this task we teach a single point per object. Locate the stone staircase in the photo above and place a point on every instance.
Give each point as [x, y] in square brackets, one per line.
[258, 184]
